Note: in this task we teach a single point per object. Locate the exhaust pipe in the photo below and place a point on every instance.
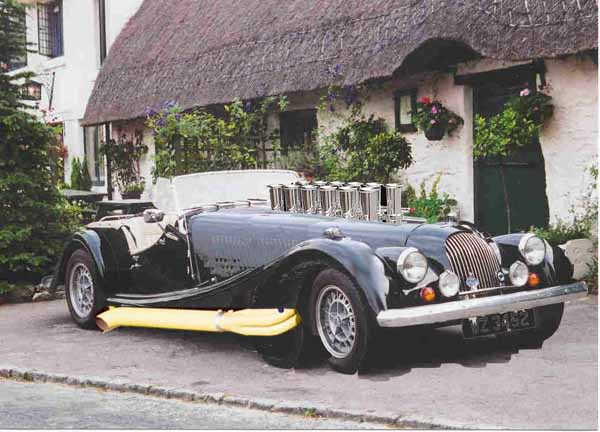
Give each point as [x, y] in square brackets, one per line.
[247, 322]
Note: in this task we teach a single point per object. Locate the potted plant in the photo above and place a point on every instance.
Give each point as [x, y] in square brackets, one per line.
[435, 119]
[133, 190]
[125, 154]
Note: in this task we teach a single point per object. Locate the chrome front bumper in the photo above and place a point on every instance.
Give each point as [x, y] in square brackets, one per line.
[468, 308]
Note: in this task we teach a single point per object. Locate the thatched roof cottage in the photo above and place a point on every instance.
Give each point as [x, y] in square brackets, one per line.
[469, 54]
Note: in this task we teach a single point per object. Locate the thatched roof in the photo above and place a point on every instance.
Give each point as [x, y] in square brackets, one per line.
[202, 52]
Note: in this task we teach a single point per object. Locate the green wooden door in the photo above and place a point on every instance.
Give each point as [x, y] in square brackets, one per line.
[524, 186]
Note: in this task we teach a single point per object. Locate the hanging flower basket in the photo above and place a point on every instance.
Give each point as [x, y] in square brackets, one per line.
[435, 119]
[435, 132]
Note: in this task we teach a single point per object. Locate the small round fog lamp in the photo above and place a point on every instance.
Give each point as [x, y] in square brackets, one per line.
[519, 274]
[449, 283]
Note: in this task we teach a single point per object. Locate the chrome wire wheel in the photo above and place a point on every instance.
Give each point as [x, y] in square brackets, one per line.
[81, 290]
[336, 322]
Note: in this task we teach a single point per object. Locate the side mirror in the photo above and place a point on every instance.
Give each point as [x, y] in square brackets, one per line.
[153, 216]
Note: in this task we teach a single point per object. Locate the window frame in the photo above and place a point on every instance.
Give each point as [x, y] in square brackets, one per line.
[286, 149]
[99, 164]
[50, 30]
[405, 127]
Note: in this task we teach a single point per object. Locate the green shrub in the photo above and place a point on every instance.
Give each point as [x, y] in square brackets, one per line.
[86, 180]
[429, 205]
[561, 232]
[364, 150]
[35, 217]
[198, 140]
[80, 175]
[76, 174]
[521, 120]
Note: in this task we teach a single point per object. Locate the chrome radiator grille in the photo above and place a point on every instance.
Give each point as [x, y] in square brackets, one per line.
[468, 253]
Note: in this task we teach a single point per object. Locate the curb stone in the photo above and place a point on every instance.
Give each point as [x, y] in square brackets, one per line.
[20, 374]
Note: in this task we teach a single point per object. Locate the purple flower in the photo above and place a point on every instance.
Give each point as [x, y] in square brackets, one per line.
[525, 92]
[150, 112]
[433, 122]
[434, 110]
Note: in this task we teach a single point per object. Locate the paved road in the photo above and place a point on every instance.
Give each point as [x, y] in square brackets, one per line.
[52, 406]
[436, 378]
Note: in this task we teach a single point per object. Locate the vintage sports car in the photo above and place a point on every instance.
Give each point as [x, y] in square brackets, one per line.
[263, 254]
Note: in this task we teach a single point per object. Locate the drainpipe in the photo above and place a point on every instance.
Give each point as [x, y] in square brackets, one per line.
[102, 28]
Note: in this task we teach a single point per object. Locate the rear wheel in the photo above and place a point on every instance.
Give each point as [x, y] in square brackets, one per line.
[341, 320]
[82, 289]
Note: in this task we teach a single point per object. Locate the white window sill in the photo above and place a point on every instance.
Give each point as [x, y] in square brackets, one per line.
[54, 63]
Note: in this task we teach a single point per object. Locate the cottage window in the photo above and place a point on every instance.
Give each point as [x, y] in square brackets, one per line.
[50, 28]
[92, 141]
[405, 107]
[297, 129]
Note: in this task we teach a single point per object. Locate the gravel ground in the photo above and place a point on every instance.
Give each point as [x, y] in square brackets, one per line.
[435, 378]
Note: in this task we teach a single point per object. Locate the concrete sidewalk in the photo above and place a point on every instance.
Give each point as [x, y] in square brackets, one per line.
[434, 379]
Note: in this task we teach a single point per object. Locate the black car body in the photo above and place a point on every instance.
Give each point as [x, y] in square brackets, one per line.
[240, 255]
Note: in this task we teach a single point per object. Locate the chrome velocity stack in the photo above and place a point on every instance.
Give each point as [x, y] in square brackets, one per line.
[348, 201]
[291, 196]
[276, 197]
[328, 198]
[380, 209]
[319, 184]
[356, 208]
[393, 192]
[308, 195]
[369, 203]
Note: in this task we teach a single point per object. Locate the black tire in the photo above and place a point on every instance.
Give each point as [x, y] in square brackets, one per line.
[354, 359]
[81, 259]
[282, 351]
[547, 320]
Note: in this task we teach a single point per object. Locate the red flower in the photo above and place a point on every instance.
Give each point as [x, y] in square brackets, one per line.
[425, 100]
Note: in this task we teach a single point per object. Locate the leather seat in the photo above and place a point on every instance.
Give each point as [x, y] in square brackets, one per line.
[140, 235]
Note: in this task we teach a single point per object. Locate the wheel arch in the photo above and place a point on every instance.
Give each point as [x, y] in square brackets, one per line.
[88, 240]
[290, 280]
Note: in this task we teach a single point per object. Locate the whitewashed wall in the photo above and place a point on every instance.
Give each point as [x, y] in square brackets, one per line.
[570, 139]
[451, 157]
[75, 71]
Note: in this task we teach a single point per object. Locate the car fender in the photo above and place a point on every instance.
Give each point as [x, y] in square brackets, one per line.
[85, 239]
[355, 258]
[556, 266]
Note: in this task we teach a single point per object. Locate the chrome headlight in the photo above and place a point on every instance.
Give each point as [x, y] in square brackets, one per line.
[518, 273]
[412, 265]
[449, 283]
[533, 249]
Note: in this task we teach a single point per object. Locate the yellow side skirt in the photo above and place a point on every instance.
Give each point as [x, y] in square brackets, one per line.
[247, 322]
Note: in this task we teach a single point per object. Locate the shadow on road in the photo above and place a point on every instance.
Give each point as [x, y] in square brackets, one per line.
[399, 352]
[396, 353]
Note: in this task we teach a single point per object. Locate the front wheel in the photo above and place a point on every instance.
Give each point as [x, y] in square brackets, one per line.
[82, 289]
[341, 320]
